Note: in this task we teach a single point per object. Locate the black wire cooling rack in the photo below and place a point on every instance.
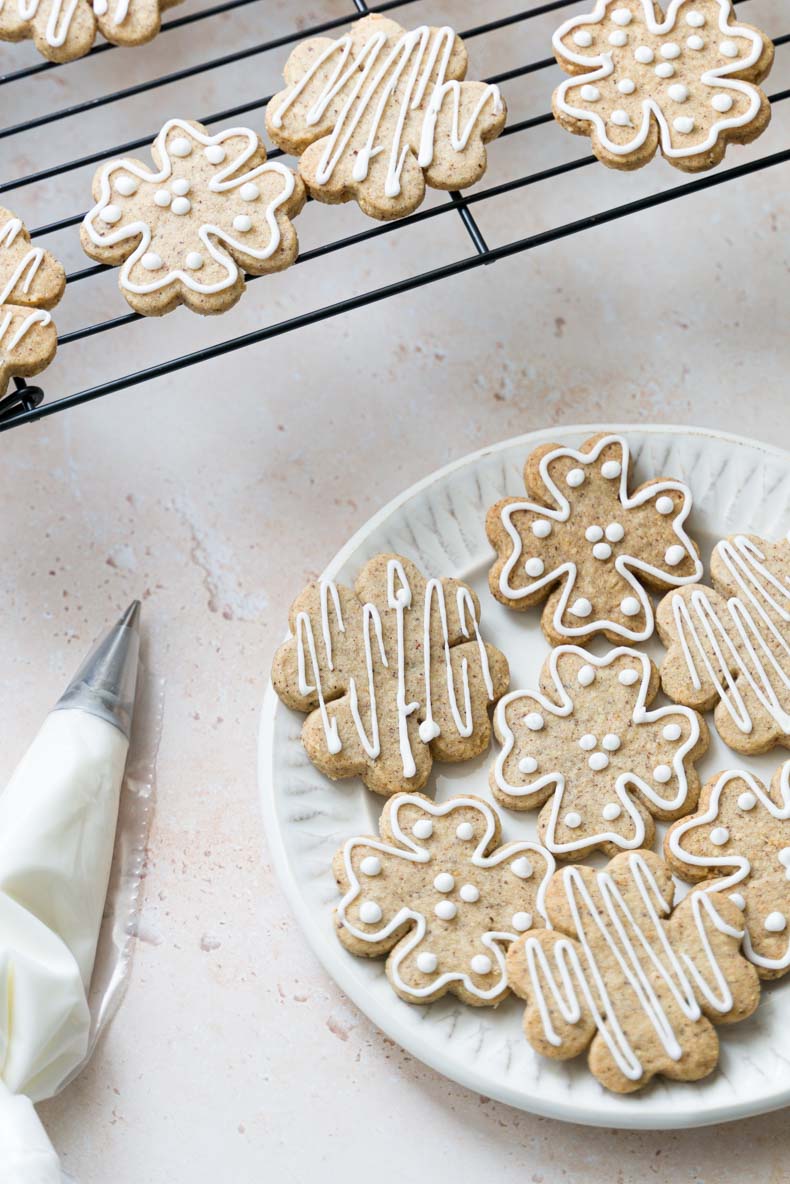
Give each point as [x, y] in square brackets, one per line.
[26, 402]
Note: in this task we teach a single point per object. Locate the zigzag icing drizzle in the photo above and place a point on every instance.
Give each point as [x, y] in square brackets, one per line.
[27, 266]
[62, 14]
[36, 316]
[416, 54]
[574, 979]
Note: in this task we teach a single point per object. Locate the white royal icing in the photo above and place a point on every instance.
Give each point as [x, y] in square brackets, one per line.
[11, 334]
[27, 267]
[61, 15]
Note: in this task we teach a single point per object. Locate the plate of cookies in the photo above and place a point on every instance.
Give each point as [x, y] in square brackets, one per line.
[524, 776]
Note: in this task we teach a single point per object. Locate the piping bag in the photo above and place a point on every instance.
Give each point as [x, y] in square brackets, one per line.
[58, 816]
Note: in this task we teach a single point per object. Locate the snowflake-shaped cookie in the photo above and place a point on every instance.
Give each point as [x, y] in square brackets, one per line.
[586, 745]
[187, 233]
[380, 112]
[731, 643]
[31, 282]
[684, 83]
[65, 29]
[438, 896]
[588, 544]
[394, 674]
[741, 835]
[622, 973]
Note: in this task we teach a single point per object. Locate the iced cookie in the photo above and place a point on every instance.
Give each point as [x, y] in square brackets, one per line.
[380, 113]
[65, 29]
[31, 282]
[729, 645]
[586, 748]
[588, 545]
[439, 896]
[684, 81]
[393, 674]
[624, 975]
[186, 232]
[741, 835]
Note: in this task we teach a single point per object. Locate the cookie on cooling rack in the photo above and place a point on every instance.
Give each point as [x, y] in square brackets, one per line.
[65, 29]
[187, 232]
[31, 282]
[684, 81]
[380, 113]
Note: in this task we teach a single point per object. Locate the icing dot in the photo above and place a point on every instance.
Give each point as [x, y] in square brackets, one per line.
[695, 19]
[242, 223]
[695, 42]
[664, 70]
[678, 92]
[683, 124]
[593, 534]
[541, 528]
[644, 54]
[534, 567]
[611, 468]
[126, 185]
[481, 964]
[527, 764]
[464, 831]
[590, 93]
[572, 819]
[521, 868]
[630, 606]
[588, 742]
[784, 859]
[469, 893]
[426, 962]
[534, 721]
[747, 801]
[719, 836]
[581, 607]
[729, 49]
[721, 103]
[775, 922]
[611, 742]
[428, 730]
[662, 774]
[110, 214]
[628, 677]
[586, 675]
[621, 16]
[194, 261]
[618, 38]
[665, 505]
[737, 900]
[626, 86]
[672, 732]
[621, 118]
[614, 532]
[181, 186]
[369, 912]
[675, 554]
[181, 146]
[422, 829]
[402, 596]
[598, 761]
[151, 261]
[602, 551]
[445, 910]
[181, 205]
[583, 38]
[249, 191]
[162, 197]
[444, 882]
[215, 154]
[670, 50]
[575, 478]
[370, 865]
[521, 922]
[611, 811]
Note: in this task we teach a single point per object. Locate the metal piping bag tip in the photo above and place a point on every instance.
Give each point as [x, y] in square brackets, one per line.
[105, 683]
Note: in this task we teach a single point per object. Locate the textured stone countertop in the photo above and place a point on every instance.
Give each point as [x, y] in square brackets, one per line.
[215, 493]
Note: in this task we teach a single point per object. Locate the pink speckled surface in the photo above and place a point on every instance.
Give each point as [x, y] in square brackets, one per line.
[213, 494]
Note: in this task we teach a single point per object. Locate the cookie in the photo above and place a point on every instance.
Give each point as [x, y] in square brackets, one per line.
[393, 673]
[683, 82]
[31, 282]
[588, 545]
[186, 232]
[586, 748]
[729, 645]
[381, 112]
[439, 897]
[623, 975]
[63, 30]
[741, 835]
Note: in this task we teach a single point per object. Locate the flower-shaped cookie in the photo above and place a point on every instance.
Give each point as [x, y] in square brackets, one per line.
[187, 233]
[440, 897]
[684, 82]
[586, 746]
[65, 29]
[394, 674]
[741, 835]
[588, 545]
[31, 282]
[380, 112]
[731, 643]
[621, 973]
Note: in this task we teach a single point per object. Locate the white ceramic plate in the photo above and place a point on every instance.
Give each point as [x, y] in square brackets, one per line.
[738, 485]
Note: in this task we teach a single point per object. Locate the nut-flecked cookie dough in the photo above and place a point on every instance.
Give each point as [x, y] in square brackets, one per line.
[438, 896]
[379, 113]
[393, 674]
[31, 283]
[683, 82]
[63, 30]
[623, 975]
